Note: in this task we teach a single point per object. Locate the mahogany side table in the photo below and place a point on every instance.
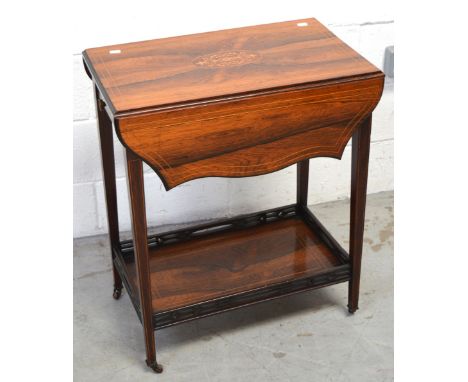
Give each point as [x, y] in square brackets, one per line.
[232, 103]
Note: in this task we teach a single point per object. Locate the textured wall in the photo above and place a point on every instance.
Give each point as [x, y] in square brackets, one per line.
[218, 197]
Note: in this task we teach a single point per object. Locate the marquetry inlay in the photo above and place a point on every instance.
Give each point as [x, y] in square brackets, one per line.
[223, 59]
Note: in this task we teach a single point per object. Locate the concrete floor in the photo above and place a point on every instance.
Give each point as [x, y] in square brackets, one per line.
[306, 337]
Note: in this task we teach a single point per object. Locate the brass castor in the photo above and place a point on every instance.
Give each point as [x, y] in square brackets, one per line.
[352, 310]
[157, 368]
[117, 293]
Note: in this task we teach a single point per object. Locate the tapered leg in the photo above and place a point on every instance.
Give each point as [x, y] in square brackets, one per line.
[359, 167]
[302, 182]
[137, 203]
[108, 170]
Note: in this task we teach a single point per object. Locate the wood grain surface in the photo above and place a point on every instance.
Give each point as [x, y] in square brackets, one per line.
[232, 262]
[250, 136]
[238, 102]
[180, 70]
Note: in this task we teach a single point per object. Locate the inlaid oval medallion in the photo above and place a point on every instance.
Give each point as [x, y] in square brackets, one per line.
[223, 59]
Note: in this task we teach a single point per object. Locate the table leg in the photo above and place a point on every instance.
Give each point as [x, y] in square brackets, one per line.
[359, 167]
[140, 240]
[302, 182]
[108, 170]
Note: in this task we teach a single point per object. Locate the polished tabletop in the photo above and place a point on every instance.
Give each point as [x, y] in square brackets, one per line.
[238, 62]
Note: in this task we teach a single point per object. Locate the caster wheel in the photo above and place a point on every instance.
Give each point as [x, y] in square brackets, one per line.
[117, 293]
[157, 368]
[352, 310]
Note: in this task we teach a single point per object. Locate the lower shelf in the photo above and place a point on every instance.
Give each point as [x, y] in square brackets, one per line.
[220, 266]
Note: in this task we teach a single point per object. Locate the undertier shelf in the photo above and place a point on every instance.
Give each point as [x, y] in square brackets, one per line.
[220, 266]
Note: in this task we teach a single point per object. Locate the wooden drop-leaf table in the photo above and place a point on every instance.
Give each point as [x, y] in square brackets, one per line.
[232, 103]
